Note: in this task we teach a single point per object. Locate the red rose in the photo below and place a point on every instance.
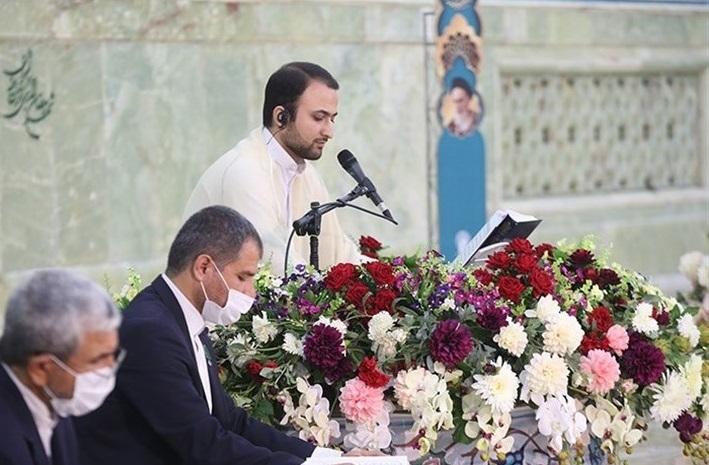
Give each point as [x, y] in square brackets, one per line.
[601, 318]
[482, 276]
[369, 373]
[382, 301]
[254, 368]
[526, 262]
[369, 246]
[520, 246]
[340, 275]
[590, 274]
[356, 292]
[499, 260]
[541, 249]
[510, 288]
[382, 273]
[542, 282]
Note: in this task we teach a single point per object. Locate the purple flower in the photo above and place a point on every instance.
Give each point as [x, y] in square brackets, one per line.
[397, 261]
[492, 317]
[642, 361]
[306, 307]
[323, 347]
[688, 426]
[341, 370]
[439, 295]
[450, 343]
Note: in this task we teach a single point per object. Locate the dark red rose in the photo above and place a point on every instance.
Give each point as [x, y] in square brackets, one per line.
[253, 367]
[482, 276]
[581, 258]
[526, 262]
[662, 318]
[510, 288]
[499, 260]
[594, 340]
[369, 246]
[382, 301]
[520, 246]
[607, 278]
[340, 275]
[590, 274]
[382, 273]
[369, 373]
[541, 249]
[542, 282]
[600, 319]
[356, 292]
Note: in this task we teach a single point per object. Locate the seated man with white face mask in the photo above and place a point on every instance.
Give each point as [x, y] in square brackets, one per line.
[59, 353]
[168, 407]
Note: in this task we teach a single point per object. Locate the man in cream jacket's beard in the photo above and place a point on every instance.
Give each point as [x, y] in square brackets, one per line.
[268, 176]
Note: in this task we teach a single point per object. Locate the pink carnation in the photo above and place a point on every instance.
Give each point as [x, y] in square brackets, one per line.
[617, 338]
[359, 402]
[602, 370]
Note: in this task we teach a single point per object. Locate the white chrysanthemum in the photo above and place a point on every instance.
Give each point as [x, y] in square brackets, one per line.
[263, 329]
[546, 308]
[545, 374]
[692, 372]
[672, 398]
[703, 273]
[380, 325]
[563, 334]
[512, 338]
[498, 390]
[339, 325]
[689, 264]
[688, 329]
[643, 320]
[292, 344]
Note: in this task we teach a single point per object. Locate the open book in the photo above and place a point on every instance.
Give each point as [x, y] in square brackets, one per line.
[503, 226]
[383, 460]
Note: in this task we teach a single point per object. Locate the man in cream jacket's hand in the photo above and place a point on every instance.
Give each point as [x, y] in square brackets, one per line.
[268, 176]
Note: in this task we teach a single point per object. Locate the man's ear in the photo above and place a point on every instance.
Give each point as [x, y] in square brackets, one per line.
[200, 266]
[38, 368]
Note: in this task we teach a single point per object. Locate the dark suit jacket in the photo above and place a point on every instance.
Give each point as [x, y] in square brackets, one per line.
[19, 440]
[158, 414]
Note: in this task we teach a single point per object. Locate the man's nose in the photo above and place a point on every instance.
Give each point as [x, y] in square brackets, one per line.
[328, 129]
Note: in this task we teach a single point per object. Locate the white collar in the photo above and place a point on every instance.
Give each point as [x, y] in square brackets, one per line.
[44, 419]
[193, 318]
[280, 156]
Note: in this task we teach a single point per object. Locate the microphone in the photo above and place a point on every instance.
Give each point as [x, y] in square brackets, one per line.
[350, 164]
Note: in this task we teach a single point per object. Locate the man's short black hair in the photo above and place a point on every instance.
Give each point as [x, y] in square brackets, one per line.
[286, 85]
[217, 231]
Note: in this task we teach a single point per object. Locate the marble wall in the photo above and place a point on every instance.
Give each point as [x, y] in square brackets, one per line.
[147, 93]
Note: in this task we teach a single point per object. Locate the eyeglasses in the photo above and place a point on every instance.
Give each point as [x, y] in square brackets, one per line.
[118, 356]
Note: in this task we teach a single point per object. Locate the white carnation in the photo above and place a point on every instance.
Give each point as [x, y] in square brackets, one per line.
[339, 325]
[380, 325]
[546, 308]
[689, 264]
[672, 398]
[263, 329]
[563, 334]
[512, 338]
[692, 372]
[292, 344]
[643, 320]
[688, 329]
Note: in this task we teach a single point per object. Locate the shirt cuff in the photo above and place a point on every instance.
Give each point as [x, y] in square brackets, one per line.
[325, 452]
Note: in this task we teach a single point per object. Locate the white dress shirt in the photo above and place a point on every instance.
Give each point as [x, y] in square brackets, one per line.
[289, 169]
[195, 326]
[44, 419]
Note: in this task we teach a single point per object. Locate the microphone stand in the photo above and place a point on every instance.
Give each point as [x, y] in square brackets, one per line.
[310, 222]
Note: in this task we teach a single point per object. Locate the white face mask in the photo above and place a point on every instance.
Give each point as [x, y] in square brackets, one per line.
[237, 304]
[90, 389]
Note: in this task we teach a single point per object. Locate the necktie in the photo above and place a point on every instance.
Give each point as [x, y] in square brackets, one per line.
[207, 346]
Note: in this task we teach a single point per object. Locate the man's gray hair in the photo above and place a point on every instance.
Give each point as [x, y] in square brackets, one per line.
[50, 311]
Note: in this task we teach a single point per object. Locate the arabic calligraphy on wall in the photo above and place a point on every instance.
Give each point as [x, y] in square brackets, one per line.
[26, 103]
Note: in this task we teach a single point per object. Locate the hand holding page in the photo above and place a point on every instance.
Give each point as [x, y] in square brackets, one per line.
[503, 226]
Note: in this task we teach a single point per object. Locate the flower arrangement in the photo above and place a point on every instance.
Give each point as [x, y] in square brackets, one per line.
[594, 349]
[695, 267]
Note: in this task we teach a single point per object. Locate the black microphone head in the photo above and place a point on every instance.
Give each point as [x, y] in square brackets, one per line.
[346, 159]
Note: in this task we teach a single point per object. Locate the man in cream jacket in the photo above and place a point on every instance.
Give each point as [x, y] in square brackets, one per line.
[268, 176]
